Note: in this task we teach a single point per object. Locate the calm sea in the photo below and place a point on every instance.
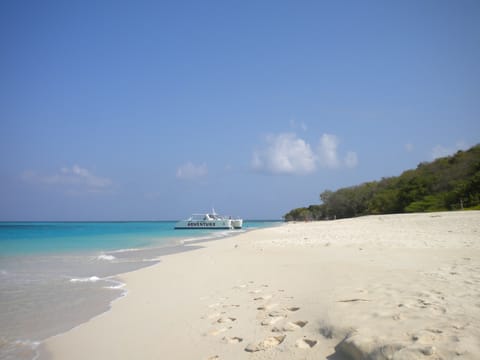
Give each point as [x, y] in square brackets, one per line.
[54, 276]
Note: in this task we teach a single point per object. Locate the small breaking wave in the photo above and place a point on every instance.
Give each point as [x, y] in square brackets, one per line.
[126, 250]
[83, 280]
[106, 257]
[117, 285]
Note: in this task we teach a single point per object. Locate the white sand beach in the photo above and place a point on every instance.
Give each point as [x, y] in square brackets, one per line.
[375, 287]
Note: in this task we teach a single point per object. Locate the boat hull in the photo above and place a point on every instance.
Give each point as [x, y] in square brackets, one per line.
[204, 224]
[237, 223]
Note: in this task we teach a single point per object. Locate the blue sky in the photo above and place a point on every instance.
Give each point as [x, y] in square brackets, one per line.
[144, 110]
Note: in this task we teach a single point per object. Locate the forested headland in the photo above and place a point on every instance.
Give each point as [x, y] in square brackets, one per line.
[448, 183]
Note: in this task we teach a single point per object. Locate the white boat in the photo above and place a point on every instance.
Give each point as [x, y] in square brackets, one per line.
[209, 221]
[237, 223]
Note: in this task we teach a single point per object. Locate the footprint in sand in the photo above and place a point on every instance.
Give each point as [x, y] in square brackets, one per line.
[277, 313]
[299, 323]
[267, 307]
[264, 297]
[305, 343]
[230, 306]
[224, 320]
[232, 340]
[291, 326]
[293, 308]
[424, 304]
[265, 344]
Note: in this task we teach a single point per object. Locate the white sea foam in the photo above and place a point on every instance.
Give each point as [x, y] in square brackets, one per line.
[106, 257]
[126, 250]
[21, 349]
[117, 285]
[82, 280]
[29, 343]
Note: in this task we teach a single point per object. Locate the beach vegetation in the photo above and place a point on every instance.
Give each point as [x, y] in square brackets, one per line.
[448, 183]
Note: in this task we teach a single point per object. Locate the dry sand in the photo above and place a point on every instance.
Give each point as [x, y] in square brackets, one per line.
[376, 287]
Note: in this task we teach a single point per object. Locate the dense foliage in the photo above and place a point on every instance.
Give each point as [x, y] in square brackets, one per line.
[447, 183]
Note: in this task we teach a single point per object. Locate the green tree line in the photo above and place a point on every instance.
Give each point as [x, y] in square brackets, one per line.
[448, 183]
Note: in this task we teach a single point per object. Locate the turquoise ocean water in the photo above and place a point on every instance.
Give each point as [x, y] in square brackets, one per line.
[56, 275]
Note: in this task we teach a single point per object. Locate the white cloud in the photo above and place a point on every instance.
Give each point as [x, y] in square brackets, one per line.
[328, 154]
[327, 151]
[409, 147]
[288, 154]
[284, 154]
[75, 176]
[191, 171]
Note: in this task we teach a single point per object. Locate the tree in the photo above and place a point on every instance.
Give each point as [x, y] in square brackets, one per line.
[445, 184]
